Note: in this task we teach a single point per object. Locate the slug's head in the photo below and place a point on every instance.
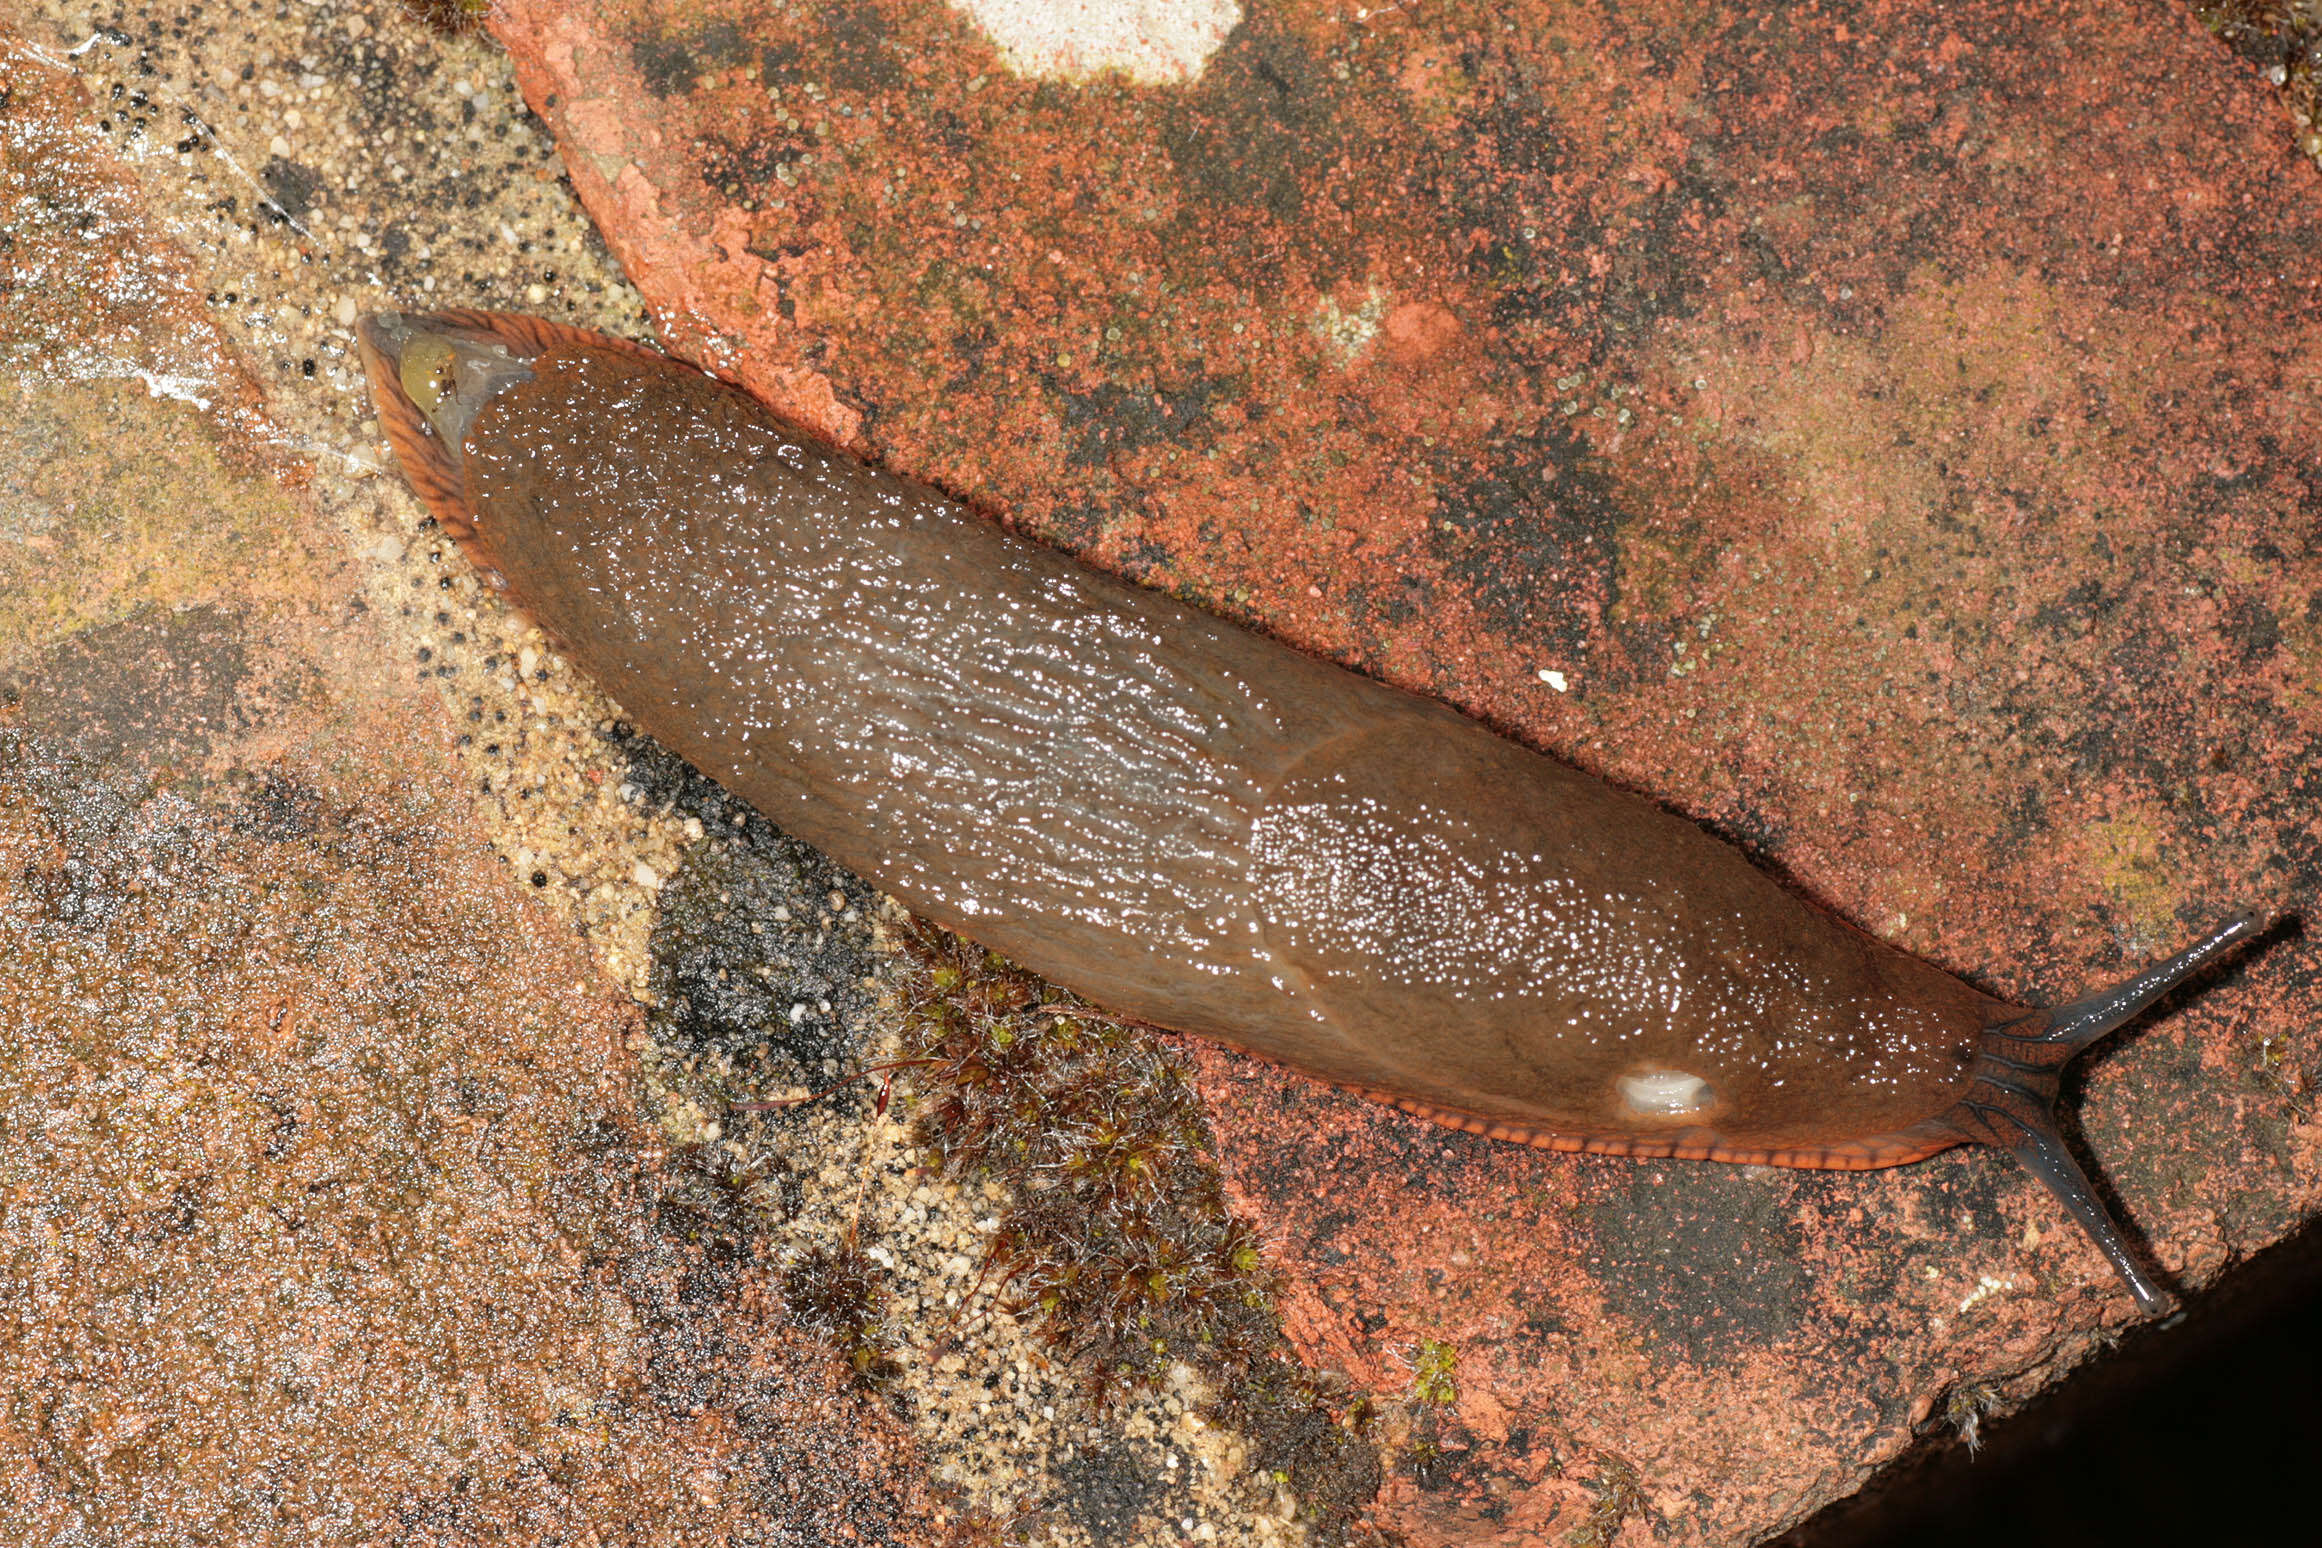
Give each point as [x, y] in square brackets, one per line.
[2012, 1101]
[431, 375]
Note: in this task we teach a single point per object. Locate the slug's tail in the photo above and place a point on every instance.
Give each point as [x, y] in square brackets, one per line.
[2012, 1103]
[432, 372]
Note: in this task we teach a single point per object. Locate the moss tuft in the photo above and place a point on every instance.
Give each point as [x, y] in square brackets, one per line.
[1964, 1409]
[2283, 1070]
[451, 17]
[1117, 1239]
[1618, 1497]
[1435, 1373]
[838, 1292]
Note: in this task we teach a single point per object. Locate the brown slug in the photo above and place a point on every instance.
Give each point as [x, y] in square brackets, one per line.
[1191, 824]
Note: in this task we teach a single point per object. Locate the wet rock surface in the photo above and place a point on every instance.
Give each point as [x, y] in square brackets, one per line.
[330, 1218]
[1882, 436]
[212, 595]
[327, 1208]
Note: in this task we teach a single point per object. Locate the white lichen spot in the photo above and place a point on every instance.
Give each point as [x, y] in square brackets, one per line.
[1664, 1093]
[1152, 42]
[1346, 334]
[168, 384]
[1985, 1288]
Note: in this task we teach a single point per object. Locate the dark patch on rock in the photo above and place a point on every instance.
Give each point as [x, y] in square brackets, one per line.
[696, 1210]
[856, 55]
[730, 972]
[1534, 536]
[1261, 119]
[1389, 607]
[94, 813]
[1444, 1458]
[1430, 1156]
[1706, 1262]
[671, 61]
[742, 169]
[1148, 564]
[1332, 1465]
[750, 958]
[292, 187]
[1756, 832]
[281, 808]
[155, 690]
[851, 51]
[1108, 419]
[1106, 1490]
[1528, 237]
[1961, 1199]
[2252, 627]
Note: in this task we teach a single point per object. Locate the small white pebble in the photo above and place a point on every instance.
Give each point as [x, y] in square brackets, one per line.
[278, 146]
[647, 877]
[344, 312]
[1553, 679]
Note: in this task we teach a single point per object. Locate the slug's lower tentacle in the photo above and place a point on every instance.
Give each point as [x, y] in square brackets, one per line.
[2044, 1155]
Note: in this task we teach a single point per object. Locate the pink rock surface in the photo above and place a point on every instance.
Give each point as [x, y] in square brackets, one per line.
[1893, 429]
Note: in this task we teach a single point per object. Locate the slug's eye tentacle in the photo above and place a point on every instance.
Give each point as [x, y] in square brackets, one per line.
[2085, 1020]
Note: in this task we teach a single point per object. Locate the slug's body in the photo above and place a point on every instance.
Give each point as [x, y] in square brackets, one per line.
[1184, 821]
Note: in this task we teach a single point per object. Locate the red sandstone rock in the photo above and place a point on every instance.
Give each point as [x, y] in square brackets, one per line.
[1896, 434]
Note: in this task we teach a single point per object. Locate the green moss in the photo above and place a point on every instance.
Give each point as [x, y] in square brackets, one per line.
[451, 17]
[1117, 1240]
[1618, 1497]
[1434, 1371]
[838, 1292]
